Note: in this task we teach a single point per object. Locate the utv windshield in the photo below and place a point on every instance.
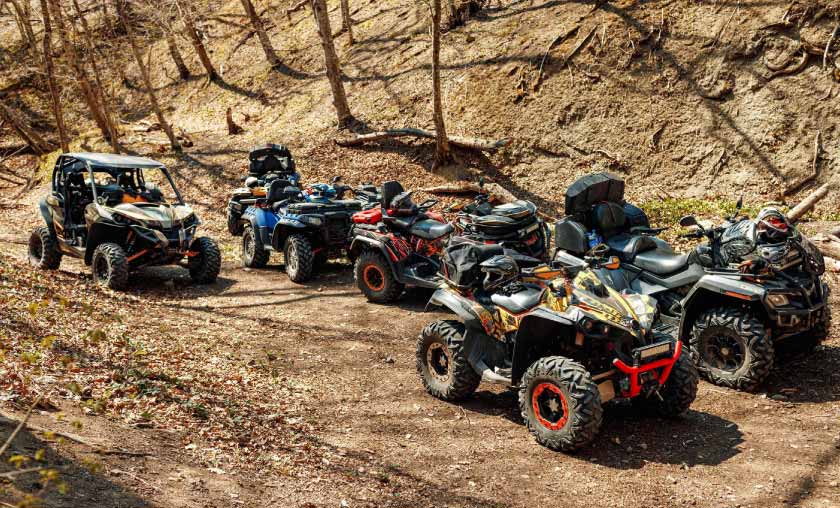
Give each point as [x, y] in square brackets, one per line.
[113, 186]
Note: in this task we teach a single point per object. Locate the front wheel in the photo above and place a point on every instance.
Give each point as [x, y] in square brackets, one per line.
[205, 261]
[560, 403]
[679, 391]
[43, 252]
[299, 258]
[442, 362]
[110, 266]
[375, 278]
[732, 348]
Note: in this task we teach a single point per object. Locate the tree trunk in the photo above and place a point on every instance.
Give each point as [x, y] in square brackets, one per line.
[183, 70]
[113, 133]
[38, 144]
[81, 76]
[147, 81]
[257, 23]
[442, 153]
[195, 38]
[345, 118]
[347, 21]
[49, 71]
[23, 13]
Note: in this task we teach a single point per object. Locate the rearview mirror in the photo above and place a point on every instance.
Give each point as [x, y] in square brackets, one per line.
[335, 179]
[688, 221]
[599, 251]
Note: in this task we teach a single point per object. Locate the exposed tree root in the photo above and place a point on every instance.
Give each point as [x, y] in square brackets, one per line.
[469, 143]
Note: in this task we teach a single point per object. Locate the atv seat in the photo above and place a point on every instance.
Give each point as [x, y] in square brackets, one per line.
[608, 218]
[627, 247]
[431, 229]
[661, 262]
[520, 301]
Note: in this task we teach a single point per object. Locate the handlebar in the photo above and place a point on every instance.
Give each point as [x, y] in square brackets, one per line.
[425, 205]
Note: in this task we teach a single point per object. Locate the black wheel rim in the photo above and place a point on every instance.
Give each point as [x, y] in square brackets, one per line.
[36, 250]
[723, 350]
[101, 269]
[437, 360]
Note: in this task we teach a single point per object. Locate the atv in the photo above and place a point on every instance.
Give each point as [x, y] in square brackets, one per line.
[397, 244]
[515, 226]
[729, 309]
[309, 227]
[112, 211]
[267, 163]
[565, 340]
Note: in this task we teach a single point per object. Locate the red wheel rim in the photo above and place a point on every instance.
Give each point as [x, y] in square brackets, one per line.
[549, 405]
[374, 278]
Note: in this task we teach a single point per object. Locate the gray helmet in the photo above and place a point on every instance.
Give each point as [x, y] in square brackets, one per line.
[772, 224]
[498, 271]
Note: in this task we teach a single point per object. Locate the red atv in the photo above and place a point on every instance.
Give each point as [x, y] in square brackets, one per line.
[397, 244]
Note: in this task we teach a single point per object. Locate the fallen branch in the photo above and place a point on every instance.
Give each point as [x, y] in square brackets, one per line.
[828, 247]
[803, 62]
[497, 193]
[96, 448]
[20, 426]
[559, 38]
[296, 7]
[470, 143]
[808, 203]
[828, 45]
[831, 264]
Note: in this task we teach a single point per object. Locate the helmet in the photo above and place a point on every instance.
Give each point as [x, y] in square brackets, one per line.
[498, 271]
[772, 224]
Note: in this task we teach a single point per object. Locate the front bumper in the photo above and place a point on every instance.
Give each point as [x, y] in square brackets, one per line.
[651, 366]
[803, 314]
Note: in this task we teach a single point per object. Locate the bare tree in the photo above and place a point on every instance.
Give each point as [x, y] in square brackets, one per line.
[345, 118]
[259, 28]
[19, 124]
[101, 96]
[442, 154]
[147, 81]
[195, 38]
[49, 71]
[347, 21]
[23, 13]
[88, 93]
[175, 53]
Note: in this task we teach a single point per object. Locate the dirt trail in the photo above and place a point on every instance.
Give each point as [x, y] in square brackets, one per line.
[393, 445]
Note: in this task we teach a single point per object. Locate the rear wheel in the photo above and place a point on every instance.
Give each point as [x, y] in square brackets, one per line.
[679, 391]
[253, 253]
[43, 252]
[299, 258]
[110, 266]
[442, 362]
[375, 279]
[560, 403]
[732, 348]
[234, 222]
[206, 263]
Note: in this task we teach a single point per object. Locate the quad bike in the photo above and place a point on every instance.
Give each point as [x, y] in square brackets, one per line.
[397, 244]
[110, 211]
[567, 342]
[514, 225]
[267, 163]
[731, 300]
[309, 227]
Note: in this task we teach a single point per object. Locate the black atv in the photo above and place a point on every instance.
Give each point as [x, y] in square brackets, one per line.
[267, 163]
[564, 339]
[119, 214]
[729, 309]
[515, 226]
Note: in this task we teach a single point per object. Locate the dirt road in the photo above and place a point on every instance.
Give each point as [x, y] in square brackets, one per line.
[384, 442]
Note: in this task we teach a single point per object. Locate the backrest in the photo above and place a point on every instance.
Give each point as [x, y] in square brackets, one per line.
[608, 217]
[276, 190]
[462, 258]
[570, 236]
[390, 190]
[270, 158]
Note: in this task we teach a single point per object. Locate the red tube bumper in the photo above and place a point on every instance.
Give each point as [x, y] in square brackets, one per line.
[634, 373]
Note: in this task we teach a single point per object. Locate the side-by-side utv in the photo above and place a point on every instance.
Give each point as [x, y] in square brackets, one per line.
[119, 214]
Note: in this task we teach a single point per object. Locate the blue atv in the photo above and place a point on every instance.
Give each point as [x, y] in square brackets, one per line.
[309, 227]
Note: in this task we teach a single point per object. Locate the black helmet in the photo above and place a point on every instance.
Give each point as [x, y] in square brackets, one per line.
[498, 271]
[772, 224]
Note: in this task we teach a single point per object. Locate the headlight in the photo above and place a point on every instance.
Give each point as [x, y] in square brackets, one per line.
[777, 300]
[126, 221]
[645, 308]
[311, 220]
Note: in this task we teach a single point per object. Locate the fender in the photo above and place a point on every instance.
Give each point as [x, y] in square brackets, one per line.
[360, 243]
[723, 288]
[45, 212]
[102, 232]
[282, 229]
[461, 306]
[540, 331]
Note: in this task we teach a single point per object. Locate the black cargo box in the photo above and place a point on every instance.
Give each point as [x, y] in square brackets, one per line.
[349, 206]
[591, 189]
